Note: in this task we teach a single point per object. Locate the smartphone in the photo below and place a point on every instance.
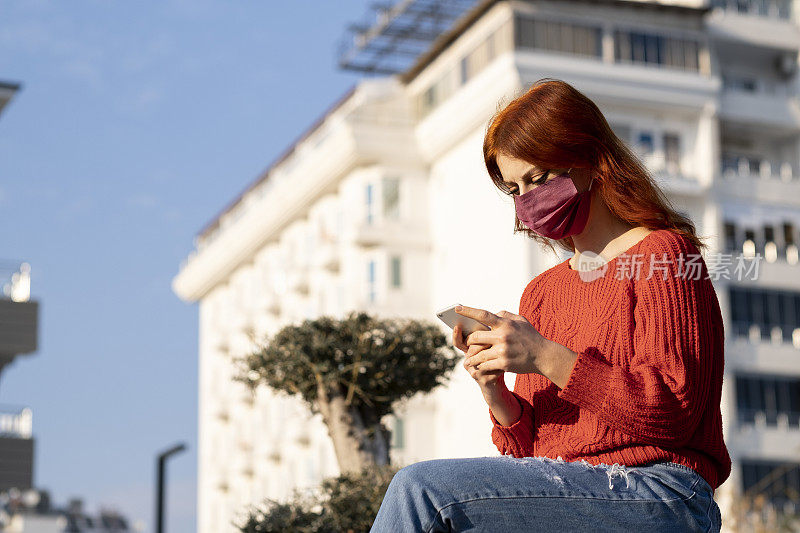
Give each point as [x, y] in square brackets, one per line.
[449, 316]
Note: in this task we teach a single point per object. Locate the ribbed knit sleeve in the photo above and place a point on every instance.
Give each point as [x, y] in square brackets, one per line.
[516, 439]
[660, 395]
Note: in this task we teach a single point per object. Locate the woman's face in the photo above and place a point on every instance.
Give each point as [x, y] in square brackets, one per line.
[520, 176]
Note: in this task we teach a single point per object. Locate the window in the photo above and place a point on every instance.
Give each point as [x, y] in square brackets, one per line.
[464, 71]
[644, 143]
[370, 205]
[671, 52]
[730, 244]
[623, 131]
[395, 274]
[770, 246]
[398, 433]
[778, 8]
[371, 281]
[672, 152]
[429, 97]
[776, 480]
[467, 68]
[730, 163]
[765, 309]
[739, 82]
[567, 37]
[788, 234]
[768, 398]
[391, 198]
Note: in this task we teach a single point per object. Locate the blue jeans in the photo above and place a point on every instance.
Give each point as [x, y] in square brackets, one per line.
[506, 494]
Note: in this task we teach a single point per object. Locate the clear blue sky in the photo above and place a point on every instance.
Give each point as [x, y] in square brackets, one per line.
[136, 123]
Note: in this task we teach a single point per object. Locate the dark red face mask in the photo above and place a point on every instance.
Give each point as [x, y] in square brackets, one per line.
[554, 209]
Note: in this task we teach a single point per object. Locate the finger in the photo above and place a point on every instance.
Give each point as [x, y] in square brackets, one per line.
[481, 315]
[458, 339]
[483, 356]
[476, 348]
[491, 364]
[469, 363]
[510, 315]
[486, 376]
[471, 370]
[481, 337]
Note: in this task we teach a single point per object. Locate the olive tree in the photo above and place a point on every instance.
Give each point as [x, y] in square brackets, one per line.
[352, 371]
[347, 503]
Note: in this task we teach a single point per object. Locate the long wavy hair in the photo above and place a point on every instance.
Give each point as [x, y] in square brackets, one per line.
[553, 125]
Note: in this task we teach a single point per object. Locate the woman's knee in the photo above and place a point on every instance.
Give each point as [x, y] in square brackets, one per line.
[412, 474]
[420, 474]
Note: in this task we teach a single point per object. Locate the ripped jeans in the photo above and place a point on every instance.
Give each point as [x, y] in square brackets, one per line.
[506, 494]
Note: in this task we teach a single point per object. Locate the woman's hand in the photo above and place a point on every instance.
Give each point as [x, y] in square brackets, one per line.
[512, 345]
[491, 382]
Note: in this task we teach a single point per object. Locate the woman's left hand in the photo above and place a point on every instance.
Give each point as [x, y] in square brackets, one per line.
[516, 346]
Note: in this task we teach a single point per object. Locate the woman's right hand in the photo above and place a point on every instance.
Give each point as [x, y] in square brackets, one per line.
[491, 382]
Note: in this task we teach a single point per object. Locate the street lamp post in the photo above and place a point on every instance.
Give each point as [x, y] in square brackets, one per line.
[162, 459]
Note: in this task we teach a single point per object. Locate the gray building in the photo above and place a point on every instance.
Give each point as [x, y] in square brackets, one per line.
[19, 321]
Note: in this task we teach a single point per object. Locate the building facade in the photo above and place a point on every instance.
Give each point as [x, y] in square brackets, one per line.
[19, 325]
[384, 204]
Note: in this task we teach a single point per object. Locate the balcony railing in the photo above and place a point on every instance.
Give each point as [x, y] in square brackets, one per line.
[15, 279]
[776, 334]
[774, 418]
[758, 168]
[763, 8]
[16, 423]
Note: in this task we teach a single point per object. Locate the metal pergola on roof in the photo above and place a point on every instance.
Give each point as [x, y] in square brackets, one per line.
[398, 34]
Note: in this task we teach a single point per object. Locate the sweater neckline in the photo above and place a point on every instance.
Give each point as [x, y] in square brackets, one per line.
[564, 265]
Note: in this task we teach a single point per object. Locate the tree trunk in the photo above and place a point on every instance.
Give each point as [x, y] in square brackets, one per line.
[354, 449]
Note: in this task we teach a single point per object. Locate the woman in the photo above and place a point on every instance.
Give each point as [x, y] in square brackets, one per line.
[614, 422]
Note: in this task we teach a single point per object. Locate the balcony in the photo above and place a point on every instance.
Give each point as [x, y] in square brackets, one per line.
[382, 231]
[770, 105]
[18, 315]
[18, 327]
[760, 439]
[777, 9]
[268, 303]
[773, 419]
[16, 448]
[764, 23]
[776, 274]
[756, 178]
[16, 423]
[785, 336]
[326, 257]
[297, 280]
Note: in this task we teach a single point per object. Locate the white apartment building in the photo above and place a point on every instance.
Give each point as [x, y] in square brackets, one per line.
[384, 203]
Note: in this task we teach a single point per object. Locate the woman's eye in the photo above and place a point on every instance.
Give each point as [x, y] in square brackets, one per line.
[539, 181]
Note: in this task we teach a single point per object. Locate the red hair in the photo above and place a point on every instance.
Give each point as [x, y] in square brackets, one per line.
[553, 125]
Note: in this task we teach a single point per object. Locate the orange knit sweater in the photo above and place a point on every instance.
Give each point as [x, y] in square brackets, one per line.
[647, 382]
